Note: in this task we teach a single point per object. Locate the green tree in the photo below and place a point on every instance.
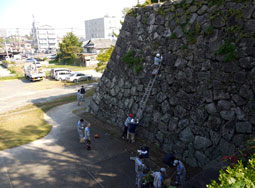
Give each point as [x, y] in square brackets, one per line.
[70, 47]
[125, 11]
[103, 58]
[1, 42]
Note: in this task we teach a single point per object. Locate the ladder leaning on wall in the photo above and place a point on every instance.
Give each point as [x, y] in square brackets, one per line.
[146, 95]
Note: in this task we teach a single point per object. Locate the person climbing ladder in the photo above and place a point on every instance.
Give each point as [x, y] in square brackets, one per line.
[157, 61]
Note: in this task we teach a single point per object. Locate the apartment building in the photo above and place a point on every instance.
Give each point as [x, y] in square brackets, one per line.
[102, 27]
[44, 37]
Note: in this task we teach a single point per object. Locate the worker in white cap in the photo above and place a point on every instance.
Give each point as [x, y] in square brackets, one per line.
[158, 178]
[157, 60]
[181, 172]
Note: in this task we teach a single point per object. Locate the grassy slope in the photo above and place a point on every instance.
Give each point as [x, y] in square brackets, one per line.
[26, 124]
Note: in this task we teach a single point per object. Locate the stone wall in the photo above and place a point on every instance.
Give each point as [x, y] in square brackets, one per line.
[202, 103]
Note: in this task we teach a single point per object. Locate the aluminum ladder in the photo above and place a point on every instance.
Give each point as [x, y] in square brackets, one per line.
[146, 95]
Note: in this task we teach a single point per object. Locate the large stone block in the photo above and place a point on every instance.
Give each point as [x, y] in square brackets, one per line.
[201, 158]
[247, 62]
[173, 123]
[250, 26]
[218, 22]
[93, 106]
[227, 115]
[202, 142]
[243, 127]
[215, 137]
[211, 108]
[151, 19]
[165, 106]
[161, 97]
[224, 105]
[186, 135]
[202, 10]
[220, 95]
[193, 18]
[238, 100]
[228, 130]
[226, 148]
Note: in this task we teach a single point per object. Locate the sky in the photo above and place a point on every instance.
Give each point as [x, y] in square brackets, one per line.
[57, 13]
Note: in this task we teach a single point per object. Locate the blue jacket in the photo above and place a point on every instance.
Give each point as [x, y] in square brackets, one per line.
[132, 126]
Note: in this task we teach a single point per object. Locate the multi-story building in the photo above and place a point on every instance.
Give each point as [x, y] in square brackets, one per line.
[3, 32]
[102, 27]
[44, 37]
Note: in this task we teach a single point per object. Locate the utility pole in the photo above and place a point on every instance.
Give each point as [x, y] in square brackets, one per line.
[18, 38]
[6, 49]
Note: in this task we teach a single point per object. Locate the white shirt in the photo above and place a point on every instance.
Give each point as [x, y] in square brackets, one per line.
[158, 179]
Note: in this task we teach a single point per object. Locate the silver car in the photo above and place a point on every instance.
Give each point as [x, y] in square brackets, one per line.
[78, 76]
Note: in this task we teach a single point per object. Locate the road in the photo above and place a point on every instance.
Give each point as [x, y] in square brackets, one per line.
[17, 93]
[59, 160]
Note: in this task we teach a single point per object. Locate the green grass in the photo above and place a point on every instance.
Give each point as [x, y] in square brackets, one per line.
[26, 124]
[11, 78]
[17, 72]
[55, 64]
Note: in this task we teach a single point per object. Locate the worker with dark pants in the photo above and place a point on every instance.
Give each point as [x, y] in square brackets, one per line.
[169, 159]
[139, 167]
[181, 172]
[125, 127]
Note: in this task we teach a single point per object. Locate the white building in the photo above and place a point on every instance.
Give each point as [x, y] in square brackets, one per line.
[102, 27]
[3, 32]
[44, 37]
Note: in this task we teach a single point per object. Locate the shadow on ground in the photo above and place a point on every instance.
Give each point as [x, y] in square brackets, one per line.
[59, 160]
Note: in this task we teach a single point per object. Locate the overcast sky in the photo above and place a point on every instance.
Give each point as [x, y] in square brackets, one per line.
[58, 13]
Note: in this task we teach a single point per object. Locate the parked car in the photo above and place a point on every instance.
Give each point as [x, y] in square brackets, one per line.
[78, 76]
[53, 72]
[30, 60]
[53, 56]
[62, 75]
[37, 64]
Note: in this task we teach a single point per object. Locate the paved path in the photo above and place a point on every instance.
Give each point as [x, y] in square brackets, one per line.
[14, 94]
[4, 72]
[60, 161]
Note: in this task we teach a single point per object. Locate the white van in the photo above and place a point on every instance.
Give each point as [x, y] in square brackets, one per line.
[54, 71]
[61, 75]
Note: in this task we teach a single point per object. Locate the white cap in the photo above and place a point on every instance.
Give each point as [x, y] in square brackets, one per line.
[162, 170]
[158, 55]
[175, 162]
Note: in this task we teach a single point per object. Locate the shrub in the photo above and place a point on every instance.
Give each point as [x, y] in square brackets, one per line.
[103, 58]
[228, 49]
[173, 35]
[5, 61]
[238, 176]
[133, 61]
